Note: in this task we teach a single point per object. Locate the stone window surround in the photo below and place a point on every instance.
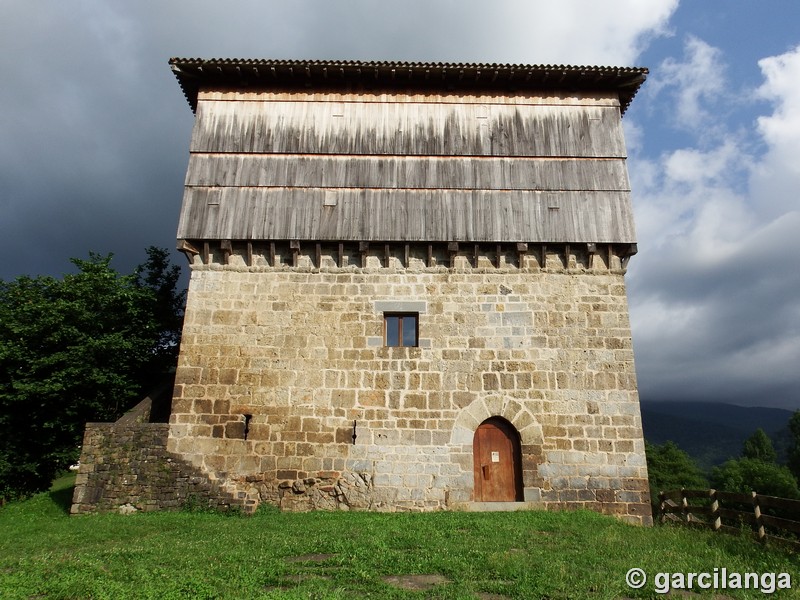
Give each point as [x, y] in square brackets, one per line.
[400, 306]
[397, 325]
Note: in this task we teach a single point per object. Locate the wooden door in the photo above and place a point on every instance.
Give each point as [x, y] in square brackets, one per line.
[497, 459]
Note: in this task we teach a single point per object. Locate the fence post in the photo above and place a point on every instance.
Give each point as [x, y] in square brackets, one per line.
[662, 504]
[687, 516]
[762, 535]
[715, 509]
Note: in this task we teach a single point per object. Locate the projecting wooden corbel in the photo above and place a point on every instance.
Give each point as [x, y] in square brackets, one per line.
[187, 249]
[522, 250]
[627, 253]
[591, 250]
[294, 246]
[227, 250]
[452, 249]
[363, 249]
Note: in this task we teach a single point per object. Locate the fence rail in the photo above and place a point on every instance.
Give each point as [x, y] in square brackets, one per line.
[772, 519]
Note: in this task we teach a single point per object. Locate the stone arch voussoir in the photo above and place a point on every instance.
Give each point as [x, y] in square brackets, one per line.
[512, 410]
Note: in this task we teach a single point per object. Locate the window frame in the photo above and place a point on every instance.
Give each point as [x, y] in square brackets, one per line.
[403, 317]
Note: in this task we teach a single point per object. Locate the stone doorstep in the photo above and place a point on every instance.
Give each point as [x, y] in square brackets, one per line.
[496, 506]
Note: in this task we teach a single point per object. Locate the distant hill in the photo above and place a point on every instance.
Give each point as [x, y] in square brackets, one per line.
[712, 432]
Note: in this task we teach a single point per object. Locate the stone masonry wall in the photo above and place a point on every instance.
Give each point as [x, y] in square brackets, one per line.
[126, 467]
[279, 364]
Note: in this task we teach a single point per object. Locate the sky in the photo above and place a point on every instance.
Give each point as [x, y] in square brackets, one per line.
[94, 136]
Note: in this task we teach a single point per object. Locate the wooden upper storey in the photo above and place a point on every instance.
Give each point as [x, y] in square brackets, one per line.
[287, 150]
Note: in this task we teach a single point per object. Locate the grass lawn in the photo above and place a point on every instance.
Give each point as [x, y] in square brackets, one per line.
[45, 553]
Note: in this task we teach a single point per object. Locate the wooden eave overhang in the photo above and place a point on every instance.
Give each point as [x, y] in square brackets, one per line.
[196, 73]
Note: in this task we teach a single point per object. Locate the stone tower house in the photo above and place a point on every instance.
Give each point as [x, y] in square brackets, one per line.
[407, 287]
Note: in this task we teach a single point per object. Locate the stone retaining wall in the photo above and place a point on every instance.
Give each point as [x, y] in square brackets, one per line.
[126, 466]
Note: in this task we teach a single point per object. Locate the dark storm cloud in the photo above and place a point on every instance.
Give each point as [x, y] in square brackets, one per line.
[94, 129]
[90, 154]
[94, 136]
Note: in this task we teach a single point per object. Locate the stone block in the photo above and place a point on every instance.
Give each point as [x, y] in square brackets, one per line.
[491, 382]
[234, 429]
[605, 495]
[415, 401]
[462, 432]
[532, 494]
[371, 398]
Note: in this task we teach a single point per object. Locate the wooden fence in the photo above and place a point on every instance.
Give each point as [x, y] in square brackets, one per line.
[772, 519]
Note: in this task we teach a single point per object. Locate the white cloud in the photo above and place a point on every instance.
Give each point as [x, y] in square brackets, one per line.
[700, 168]
[577, 32]
[777, 177]
[686, 204]
[516, 31]
[714, 297]
[695, 82]
[782, 74]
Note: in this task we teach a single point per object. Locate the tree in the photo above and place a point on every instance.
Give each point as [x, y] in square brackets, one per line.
[161, 277]
[756, 471]
[73, 350]
[794, 449]
[751, 474]
[759, 447]
[670, 468]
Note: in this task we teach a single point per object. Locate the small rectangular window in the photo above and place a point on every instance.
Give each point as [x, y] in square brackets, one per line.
[401, 329]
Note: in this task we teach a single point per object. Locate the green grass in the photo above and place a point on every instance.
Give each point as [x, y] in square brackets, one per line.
[44, 553]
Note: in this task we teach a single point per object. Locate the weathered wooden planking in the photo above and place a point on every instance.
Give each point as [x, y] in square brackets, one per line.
[289, 170]
[478, 97]
[781, 503]
[781, 523]
[405, 215]
[734, 497]
[431, 129]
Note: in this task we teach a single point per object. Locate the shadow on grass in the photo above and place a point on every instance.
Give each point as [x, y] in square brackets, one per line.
[62, 498]
[61, 492]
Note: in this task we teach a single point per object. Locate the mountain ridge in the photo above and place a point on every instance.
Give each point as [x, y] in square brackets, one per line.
[712, 432]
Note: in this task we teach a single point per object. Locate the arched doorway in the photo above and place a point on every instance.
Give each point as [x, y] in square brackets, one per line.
[498, 462]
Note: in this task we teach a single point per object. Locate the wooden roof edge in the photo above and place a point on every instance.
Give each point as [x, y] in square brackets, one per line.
[194, 73]
[190, 243]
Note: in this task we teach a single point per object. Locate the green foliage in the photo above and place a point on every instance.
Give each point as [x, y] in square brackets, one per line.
[44, 553]
[166, 304]
[794, 448]
[759, 447]
[73, 350]
[756, 471]
[670, 468]
[750, 474]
